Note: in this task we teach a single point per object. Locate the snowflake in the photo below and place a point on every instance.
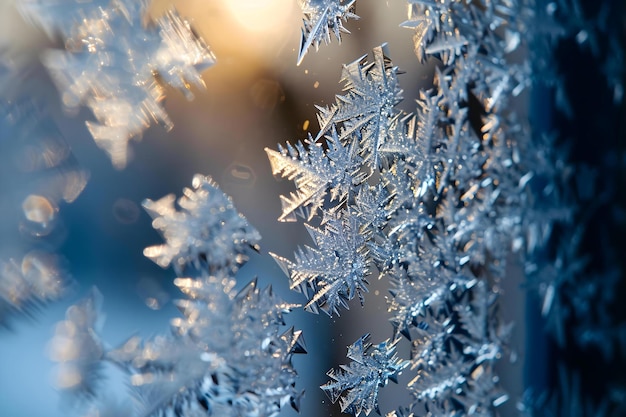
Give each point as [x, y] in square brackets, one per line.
[371, 369]
[336, 271]
[315, 173]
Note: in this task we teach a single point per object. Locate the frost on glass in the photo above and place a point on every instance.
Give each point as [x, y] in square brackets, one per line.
[321, 17]
[116, 61]
[435, 202]
[229, 354]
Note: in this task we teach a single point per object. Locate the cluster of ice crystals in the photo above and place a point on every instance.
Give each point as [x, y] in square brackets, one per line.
[227, 355]
[439, 199]
[321, 17]
[116, 61]
[207, 233]
[332, 186]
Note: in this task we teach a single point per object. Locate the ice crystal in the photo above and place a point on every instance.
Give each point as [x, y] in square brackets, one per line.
[371, 368]
[335, 272]
[316, 174]
[206, 233]
[115, 63]
[321, 17]
[367, 111]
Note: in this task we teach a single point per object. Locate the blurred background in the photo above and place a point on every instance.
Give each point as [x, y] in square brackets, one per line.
[67, 211]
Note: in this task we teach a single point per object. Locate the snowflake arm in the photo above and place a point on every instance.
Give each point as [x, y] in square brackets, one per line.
[367, 112]
[320, 17]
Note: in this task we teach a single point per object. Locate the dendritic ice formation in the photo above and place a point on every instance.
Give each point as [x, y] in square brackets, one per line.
[372, 368]
[436, 202]
[116, 62]
[228, 355]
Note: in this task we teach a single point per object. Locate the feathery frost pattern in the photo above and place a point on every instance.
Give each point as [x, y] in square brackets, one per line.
[115, 63]
[437, 202]
[228, 355]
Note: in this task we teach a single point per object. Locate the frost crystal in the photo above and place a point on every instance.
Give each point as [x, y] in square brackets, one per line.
[371, 369]
[320, 18]
[206, 233]
[336, 271]
[316, 174]
[115, 62]
[367, 111]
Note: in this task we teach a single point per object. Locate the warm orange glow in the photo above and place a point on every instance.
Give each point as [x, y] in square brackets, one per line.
[260, 15]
